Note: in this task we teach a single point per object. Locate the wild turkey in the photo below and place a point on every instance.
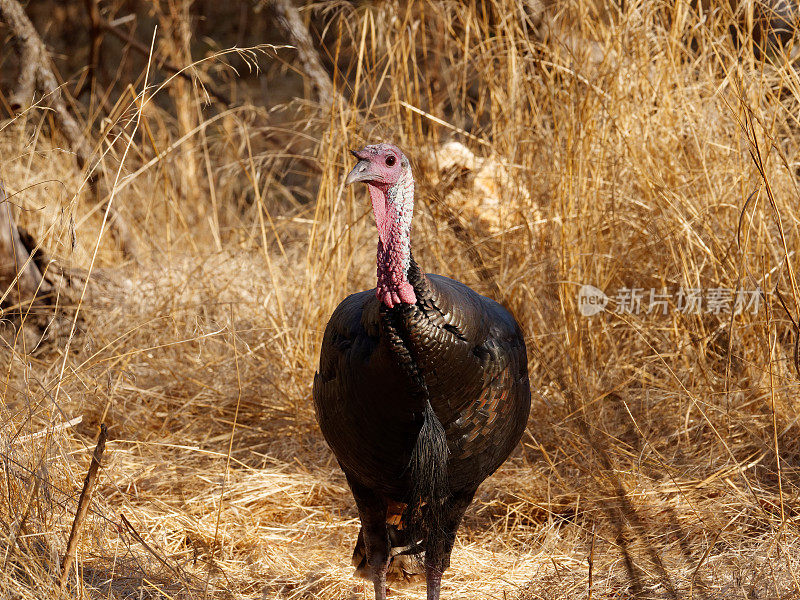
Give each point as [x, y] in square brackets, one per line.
[422, 390]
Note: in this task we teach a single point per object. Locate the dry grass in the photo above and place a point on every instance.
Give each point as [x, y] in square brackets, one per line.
[662, 452]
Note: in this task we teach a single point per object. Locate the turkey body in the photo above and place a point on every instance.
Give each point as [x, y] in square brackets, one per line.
[466, 353]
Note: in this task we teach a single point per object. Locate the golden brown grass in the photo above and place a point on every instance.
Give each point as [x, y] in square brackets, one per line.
[661, 454]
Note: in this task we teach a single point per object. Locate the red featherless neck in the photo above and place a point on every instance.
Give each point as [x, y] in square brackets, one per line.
[393, 207]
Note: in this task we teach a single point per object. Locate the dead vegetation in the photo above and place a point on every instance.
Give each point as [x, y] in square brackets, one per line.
[637, 146]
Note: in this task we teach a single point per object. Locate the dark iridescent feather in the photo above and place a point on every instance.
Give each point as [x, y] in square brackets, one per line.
[454, 353]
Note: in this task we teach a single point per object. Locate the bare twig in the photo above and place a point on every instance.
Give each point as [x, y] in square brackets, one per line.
[83, 504]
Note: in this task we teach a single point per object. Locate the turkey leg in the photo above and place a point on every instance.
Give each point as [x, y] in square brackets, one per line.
[437, 551]
[372, 512]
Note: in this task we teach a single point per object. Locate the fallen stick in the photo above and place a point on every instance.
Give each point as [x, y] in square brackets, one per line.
[83, 505]
[55, 428]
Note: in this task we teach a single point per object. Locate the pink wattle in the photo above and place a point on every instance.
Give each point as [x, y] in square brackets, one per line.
[393, 287]
[393, 252]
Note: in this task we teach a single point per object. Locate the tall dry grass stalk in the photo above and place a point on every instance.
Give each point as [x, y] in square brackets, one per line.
[633, 147]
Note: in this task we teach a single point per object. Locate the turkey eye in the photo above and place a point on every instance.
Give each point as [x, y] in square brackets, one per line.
[390, 161]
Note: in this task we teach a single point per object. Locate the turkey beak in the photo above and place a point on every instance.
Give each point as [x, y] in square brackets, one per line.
[361, 172]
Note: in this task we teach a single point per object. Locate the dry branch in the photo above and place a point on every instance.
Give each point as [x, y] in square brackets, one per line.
[93, 11]
[289, 19]
[18, 271]
[83, 504]
[36, 74]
